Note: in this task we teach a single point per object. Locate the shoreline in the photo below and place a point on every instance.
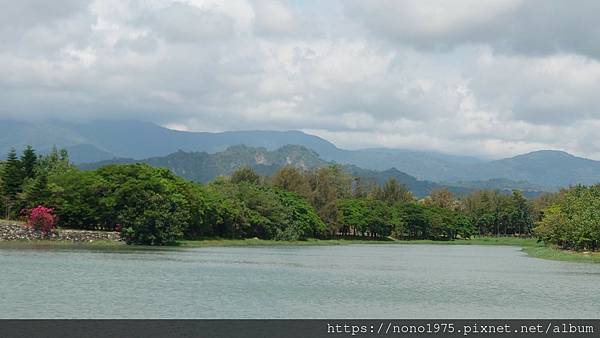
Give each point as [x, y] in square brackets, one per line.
[528, 246]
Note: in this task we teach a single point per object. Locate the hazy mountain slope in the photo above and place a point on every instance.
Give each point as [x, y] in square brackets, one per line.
[203, 167]
[418, 187]
[423, 165]
[135, 139]
[99, 140]
[40, 135]
[138, 140]
[547, 168]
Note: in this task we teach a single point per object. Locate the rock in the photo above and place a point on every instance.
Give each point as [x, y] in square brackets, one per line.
[10, 231]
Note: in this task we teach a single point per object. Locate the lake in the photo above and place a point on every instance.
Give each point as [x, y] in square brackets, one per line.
[354, 281]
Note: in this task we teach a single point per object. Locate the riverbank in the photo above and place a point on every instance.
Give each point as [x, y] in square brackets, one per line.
[546, 252]
[16, 235]
[14, 231]
[345, 241]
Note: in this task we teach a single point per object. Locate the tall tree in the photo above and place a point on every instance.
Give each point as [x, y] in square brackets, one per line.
[327, 186]
[442, 198]
[12, 176]
[38, 192]
[245, 174]
[521, 217]
[28, 162]
[394, 192]
[291, 179]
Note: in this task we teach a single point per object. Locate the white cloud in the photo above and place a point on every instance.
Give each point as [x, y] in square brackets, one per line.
[493, 80]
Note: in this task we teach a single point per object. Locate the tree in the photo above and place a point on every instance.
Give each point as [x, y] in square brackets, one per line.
[520, 215]
[39, 189]
[12, 176]
[375, 217]
[12, 180]
[442, 198]
[150, 204]
[291, 179]
[414, 215]
[328, 185]
[247, 210]
[394, 192]
[364, 187]
[28, 162]
[245, 174]
[55, 162]
[573, 222]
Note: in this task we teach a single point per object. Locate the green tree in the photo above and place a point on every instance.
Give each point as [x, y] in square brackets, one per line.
[416, 218]
[28, 162]
[289, 178]
[573, 222]
[245, 174]
[55, 162]
[394, 192]
[328, 185]
[520, 214]
[12, 181]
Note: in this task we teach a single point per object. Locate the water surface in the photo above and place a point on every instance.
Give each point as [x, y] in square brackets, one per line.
[355, 281]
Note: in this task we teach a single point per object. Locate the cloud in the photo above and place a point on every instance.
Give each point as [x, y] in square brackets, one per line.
[512, 26]
[494, 80]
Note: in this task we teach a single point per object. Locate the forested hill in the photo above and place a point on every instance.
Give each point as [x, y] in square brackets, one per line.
[104, 140]
[204, 167]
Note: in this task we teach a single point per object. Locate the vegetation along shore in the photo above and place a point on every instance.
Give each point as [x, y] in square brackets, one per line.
[530, 246]
[143, 205]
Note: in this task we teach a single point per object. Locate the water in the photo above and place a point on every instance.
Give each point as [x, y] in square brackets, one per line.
[358, 281]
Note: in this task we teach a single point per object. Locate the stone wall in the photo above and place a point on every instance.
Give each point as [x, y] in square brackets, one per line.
[14, 231]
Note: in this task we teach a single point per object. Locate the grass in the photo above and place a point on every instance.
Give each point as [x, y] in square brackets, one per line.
[548, 252]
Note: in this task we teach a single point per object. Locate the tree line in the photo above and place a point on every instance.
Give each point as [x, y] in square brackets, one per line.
[149, 205]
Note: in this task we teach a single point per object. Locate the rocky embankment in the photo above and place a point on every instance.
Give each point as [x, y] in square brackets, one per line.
[15, 231]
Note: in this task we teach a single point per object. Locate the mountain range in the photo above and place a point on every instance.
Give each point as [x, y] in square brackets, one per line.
[96, 141]
[204, 167]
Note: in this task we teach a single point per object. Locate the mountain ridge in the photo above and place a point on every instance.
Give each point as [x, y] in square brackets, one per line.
[104, 140]
[204, 167]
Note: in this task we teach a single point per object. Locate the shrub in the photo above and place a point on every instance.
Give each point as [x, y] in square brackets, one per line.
[42, 219]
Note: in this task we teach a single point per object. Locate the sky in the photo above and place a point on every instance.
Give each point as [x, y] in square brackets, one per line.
[490, 78]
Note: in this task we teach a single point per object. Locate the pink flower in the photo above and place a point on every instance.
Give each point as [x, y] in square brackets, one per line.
[42, 218]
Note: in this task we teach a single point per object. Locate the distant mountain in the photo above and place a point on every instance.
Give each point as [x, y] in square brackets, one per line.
[424, 165]
[204, 167]
[138, 140]
[105, 140]
[419, 188]
[499, 184]
[547, 168]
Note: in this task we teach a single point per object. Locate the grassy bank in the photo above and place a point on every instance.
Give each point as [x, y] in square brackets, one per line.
[528, 245]
[547, 252]
[346, 241]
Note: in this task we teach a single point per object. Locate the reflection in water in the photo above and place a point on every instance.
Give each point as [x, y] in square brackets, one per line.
[360, 281]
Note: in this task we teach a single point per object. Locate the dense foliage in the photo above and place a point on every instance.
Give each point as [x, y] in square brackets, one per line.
[150, 205]
[572, 220]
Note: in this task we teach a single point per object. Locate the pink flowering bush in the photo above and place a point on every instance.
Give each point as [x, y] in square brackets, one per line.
[42, 219]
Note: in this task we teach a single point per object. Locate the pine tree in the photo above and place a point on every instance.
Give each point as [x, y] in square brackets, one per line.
[28, 162]
[12, 176]
[39, 192]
